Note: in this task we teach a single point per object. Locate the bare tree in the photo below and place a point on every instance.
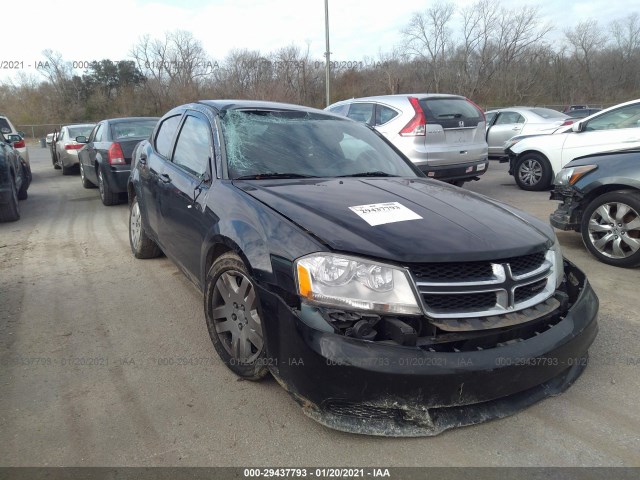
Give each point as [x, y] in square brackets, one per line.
[428, 36]
[586, 39]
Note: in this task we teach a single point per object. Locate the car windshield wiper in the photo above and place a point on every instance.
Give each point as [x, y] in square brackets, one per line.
[261, 176]
[369, 174]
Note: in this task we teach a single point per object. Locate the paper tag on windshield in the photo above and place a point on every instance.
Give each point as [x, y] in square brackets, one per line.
[381, 213]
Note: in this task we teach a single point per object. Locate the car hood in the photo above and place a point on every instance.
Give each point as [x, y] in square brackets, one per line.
[454, 224]
[537, 142]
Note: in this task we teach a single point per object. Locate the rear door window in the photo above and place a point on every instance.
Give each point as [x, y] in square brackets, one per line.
[385, 114]
[164, 137]
[362, 112]
[509, 118]
[340, 109]
[451, 112]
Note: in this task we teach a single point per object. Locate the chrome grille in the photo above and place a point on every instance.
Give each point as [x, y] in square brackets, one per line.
[528, 291]
[527, 263]
[482, 289]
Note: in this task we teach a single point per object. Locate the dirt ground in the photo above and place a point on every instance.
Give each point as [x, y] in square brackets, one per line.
[105, 361]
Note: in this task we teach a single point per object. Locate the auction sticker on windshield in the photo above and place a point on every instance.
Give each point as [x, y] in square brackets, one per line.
[381, 213]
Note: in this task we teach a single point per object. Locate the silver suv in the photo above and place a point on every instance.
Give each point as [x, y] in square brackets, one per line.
[443, 135]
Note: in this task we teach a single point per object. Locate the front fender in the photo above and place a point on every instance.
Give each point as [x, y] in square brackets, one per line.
[257, 233]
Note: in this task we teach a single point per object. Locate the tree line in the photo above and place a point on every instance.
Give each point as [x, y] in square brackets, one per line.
[495, 55]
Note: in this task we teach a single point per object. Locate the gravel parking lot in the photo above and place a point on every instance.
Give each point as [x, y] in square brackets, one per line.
[105, 360]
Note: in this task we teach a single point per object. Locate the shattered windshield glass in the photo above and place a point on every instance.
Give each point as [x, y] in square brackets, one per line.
[267, 143]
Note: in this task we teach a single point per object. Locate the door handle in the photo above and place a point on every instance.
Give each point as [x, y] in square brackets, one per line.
[164, 178]
[517, 128]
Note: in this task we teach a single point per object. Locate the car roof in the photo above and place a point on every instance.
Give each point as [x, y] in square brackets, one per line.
[128, 119]
[400, 96]
[79, 125]
[255, 104]
[516, 108]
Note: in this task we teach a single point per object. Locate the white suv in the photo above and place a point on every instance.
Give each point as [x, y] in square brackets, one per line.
[534, 161]
[443, 135]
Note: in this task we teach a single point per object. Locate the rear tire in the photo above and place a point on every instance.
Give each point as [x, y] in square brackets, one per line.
[22, 193]
[533, 172]
[67, 170]
[106, 195]
[10, 212]
[141, 245]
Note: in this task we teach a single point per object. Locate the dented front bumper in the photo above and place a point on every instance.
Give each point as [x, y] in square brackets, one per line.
[379, 388]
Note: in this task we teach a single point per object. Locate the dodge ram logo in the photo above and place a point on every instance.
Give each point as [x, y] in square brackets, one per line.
[461, 123]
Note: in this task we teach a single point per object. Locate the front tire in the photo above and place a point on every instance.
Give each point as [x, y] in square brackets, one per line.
[533, 172]
[54, 160]
[85, 183]
[10, 212]
[233, 318]
[610, 228]
[141, 245]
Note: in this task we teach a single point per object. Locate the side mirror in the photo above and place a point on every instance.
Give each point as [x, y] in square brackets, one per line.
[81, 139]
[576, 126]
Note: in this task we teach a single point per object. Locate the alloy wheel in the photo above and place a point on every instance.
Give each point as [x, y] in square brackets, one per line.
[101, 185]
[530, 172]
[614, 230]
[135, 227]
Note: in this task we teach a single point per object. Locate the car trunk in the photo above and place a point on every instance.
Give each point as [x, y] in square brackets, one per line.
[127, 147]
[454, 130]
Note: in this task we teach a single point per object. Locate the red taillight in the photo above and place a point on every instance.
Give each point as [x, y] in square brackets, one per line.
[418, 124]
[19, 144]
[73, 146]
[568, 122]
[484, 117]
[116, 157]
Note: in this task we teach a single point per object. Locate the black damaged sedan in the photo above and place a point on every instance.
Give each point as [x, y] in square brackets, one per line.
[384, 302]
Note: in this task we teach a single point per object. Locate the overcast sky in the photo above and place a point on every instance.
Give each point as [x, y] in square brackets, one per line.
[86, 31]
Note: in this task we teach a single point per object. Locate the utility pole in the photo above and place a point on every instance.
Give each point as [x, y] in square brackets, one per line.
[327, 54]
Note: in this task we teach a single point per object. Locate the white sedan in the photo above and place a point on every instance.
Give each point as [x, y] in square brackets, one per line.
[534, 161]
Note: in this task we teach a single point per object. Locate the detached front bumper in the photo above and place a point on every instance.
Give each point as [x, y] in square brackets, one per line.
[569, 213]
[379, 388]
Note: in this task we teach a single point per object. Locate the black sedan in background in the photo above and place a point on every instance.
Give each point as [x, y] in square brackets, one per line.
[15, 177]
[385, 302]
[105, 160]
[600, 197]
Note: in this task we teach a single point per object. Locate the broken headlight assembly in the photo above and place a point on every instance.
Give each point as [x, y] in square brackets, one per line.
[342, 281]
[569, 176]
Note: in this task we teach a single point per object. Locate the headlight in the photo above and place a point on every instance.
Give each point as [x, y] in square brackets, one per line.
[511, 142]
[569, 176]
[342, 281]
[558, 262]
